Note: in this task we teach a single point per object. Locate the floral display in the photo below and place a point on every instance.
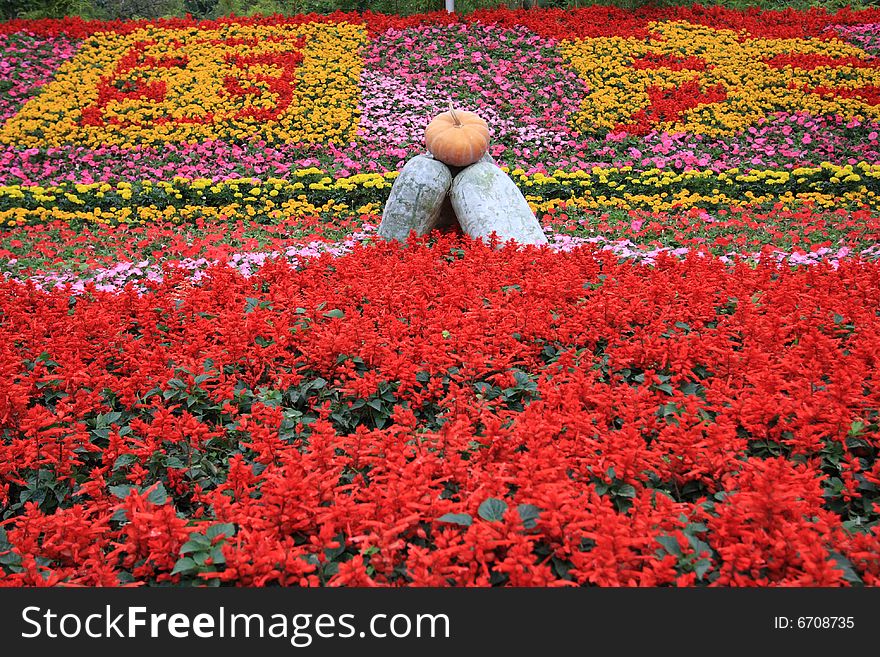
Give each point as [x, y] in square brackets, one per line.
[349, 94]
[310, 190]
[216, 373]
[296, 83]
[27, 62]
[402, 416]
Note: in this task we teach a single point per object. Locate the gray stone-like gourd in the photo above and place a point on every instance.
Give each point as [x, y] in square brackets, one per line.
[486, 200]
[416, 198]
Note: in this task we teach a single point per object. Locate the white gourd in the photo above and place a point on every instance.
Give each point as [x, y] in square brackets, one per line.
[416, 198]
[486, 200]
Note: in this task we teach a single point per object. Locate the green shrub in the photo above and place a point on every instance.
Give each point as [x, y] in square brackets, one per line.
[46, 8]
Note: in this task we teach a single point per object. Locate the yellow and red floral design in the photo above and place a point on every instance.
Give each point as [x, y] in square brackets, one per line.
[694, 78]
[288, 83]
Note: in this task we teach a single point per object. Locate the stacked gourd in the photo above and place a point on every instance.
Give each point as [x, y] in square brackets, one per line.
[458, 177]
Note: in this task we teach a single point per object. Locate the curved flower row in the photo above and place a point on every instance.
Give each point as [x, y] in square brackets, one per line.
[58, 251]
[603, 21]
[312, 191]
[866, 37]
[593, 21]
[781, 142]
[141, 275]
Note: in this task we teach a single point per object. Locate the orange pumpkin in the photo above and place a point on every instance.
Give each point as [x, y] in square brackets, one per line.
[457, 138]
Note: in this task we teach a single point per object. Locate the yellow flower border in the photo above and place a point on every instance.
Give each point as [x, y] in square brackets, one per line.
[313, 191]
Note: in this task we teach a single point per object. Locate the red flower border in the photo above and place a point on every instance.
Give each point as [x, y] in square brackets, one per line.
[592, 21]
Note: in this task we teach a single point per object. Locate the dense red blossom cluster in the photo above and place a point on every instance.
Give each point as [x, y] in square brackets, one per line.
[654, 60]
[599, 21]
[869, 94]
[80, 28]
[670, 103]
[447, 414]
[812, 61]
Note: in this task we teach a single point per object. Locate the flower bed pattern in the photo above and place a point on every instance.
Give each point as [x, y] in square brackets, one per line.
[214, 375]
[810, 81]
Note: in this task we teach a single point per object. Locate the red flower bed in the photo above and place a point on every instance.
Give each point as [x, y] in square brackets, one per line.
[447, 414]
[813, 61]
[869, 94]
[669, 104]
[598, 20]
[593, 21]
[80, 28]
[654, 60]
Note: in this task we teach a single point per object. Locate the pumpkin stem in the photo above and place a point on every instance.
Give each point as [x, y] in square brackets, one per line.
[454, 116]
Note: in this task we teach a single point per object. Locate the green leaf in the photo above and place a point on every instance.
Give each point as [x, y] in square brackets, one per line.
[700, 547]
[184, 565]
[158, 495]
[463, 519]
[492, 509]
[335, 313]
[695, 528]
[195, 545]
[122, 491]
[110, 418]
[217, 555]
[10, 559]
[669, 409]
[626, 490]
[849, 572]
[175, 463]
[332, 553]
[702, 567]
[226, 529]
[670, 544]
[529, 514]
[124, 460]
